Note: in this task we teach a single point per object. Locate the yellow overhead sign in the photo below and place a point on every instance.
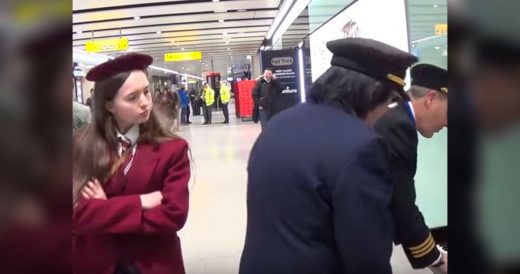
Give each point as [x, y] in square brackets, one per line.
[182, 56]
[106, 45]
[441, 29]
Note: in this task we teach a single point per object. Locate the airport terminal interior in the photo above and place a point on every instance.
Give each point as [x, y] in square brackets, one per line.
[231, 42]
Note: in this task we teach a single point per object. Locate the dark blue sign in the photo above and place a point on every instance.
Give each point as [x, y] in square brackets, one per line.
[284, 64]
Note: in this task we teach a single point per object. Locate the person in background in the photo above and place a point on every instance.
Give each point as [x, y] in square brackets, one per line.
[208, 95]
[156, 96]
[193, 102]
[176, 107]
[318, 191]
[130, 178]
[427, 113]
[225, 95]
[80, 115]
[89, 99]
[266, 88]
[166, 105]
[185, 106]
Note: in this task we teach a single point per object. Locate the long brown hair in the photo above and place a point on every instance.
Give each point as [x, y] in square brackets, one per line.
[95, 146]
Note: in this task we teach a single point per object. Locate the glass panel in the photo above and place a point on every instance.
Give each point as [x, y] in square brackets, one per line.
[297, 31]
[311, 18]
[423, 16]
[431, 179]
[322, 10]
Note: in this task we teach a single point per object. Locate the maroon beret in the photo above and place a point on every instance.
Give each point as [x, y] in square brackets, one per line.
[123, 63]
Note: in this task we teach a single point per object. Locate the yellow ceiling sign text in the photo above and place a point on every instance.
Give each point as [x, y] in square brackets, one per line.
[182, 56]
[106, 45]
[441, 29]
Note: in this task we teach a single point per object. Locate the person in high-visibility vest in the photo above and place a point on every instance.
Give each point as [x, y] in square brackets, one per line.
[225, 96]
[208, 95]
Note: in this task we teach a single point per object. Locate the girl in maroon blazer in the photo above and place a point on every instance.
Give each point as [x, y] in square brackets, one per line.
[130, 178]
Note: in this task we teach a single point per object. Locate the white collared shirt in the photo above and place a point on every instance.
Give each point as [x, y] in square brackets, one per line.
[411, 108]
[132, 135]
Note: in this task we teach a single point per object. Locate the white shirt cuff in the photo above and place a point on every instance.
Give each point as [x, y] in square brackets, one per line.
[438, 259]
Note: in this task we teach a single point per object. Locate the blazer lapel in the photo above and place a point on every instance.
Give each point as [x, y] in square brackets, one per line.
[143, 166]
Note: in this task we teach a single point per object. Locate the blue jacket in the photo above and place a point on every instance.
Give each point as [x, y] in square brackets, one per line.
[185, 100]
[318, 196]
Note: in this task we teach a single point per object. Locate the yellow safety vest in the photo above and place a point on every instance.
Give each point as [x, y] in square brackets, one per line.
[209, 96]
[225, 94]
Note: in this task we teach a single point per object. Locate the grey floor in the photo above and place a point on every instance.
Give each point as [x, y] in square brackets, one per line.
[213, 237]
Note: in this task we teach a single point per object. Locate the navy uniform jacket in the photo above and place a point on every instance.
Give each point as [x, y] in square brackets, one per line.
[400, 137]
[318, 196]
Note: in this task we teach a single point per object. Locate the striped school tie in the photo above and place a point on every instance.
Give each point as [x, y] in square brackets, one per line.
[125, 144]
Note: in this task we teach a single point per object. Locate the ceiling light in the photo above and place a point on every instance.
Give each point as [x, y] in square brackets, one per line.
[249, 57]
[137, 17]
[78, 32]
[288, 19]
[437, 47]
[182, 48]
[221, 20]
[227, 42]
[279, 16]
[301, 69]
[435, 6]
[159, 32]
[228, 48]
[262, 48]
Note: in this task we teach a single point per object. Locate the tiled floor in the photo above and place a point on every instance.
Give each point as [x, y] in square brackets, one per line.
[213, 237]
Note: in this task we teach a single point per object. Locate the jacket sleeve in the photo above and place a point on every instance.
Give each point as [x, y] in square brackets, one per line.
[360, 201]
[171, 215]
[411, 230]
[121, 214]
[256, 93]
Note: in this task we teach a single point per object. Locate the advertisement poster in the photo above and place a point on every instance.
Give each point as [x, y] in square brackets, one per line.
[284, 64]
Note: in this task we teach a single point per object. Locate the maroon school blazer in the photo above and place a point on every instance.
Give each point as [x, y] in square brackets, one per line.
[118, 231]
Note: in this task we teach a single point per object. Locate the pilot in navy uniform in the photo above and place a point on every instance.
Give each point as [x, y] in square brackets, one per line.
[426, 112]
[318, 186]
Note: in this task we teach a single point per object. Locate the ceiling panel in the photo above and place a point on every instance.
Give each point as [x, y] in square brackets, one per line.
[178, 19]
[162, 51]
[180, 40]
[221, 30]
[231, 26]
[168, 9]
[190, 33]
[79, 5]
